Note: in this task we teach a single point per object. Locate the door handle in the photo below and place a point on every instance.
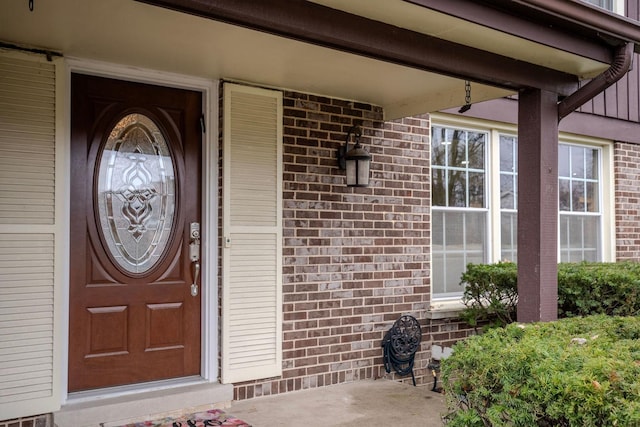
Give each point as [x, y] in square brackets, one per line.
[194, 256]
[196, 273]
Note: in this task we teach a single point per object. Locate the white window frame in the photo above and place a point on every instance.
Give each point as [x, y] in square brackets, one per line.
[486, 209]
[496, 213]
[495, 129]
[606, 191]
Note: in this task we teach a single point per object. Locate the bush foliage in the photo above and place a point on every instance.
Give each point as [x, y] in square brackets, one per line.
[491, 293]
[573, 372]
[583, 289]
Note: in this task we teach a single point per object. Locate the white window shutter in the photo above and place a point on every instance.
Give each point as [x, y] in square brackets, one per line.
[29, 235]
[252, 234]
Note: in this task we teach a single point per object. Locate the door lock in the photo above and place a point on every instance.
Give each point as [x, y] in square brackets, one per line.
[194, 246]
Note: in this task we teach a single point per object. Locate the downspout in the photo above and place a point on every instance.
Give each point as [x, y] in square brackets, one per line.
[621, 64]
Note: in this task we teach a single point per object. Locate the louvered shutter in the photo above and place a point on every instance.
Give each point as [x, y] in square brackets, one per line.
[252, 234]
[29, 233]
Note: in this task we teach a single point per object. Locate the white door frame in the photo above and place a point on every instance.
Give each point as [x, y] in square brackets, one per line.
[209, 321]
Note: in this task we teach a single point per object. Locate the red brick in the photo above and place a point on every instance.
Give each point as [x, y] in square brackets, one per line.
[350, 254]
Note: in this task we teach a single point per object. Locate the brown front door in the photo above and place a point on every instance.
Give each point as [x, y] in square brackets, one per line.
[135, 202]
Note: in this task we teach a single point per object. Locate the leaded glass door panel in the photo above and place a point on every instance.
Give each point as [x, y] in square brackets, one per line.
[135, 193]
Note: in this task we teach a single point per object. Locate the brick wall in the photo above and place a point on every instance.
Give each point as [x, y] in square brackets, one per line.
[627, 201]
[355, 259]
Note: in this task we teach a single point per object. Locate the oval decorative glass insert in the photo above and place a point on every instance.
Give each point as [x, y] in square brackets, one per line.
[136, 193]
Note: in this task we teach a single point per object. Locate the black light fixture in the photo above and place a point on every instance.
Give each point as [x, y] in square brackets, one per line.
[356, 161]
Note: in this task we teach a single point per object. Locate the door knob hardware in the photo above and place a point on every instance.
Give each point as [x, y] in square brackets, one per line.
[196, 274]
[194, 255]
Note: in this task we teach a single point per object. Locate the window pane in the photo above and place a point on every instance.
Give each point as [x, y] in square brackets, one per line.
[579, 238]
[593, 197]
[591, 160]
[579, 192]
[476, 150]
[563, 225]
[475, 232]
[437, 230]
[508, 236]
[457, 188]
[438, 146]
[578, 196]
[591, 238]
[508, 197]
[507, 148]
[577, 162]
[458, 149]
[450, 168]
[464, 242]
[438, 278]
[507, 192]
[574, 238]
[454, 268]
[438, 187]
[563, 161]
[454, 229]
[476, 190]
[564, 194]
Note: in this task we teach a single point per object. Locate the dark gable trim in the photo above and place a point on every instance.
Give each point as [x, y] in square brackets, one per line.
[323, 26]
[581, 17]
[522, 25]
[570, 25]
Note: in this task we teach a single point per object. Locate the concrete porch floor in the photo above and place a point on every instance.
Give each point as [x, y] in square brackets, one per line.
[361, 403]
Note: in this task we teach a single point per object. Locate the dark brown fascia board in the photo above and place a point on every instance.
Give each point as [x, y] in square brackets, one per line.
[520, 26]
[578, 16]
[558, 18]
[317, 24]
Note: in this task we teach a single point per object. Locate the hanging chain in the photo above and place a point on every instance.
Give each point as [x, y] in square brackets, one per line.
[467, 90]
[467, 97]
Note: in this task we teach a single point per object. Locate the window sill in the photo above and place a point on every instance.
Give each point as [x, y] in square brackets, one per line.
[445, 309]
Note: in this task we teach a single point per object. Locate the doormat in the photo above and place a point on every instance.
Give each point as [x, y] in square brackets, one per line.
[213, 417]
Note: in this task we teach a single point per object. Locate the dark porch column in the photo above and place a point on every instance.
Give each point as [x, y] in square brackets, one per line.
[537, 206]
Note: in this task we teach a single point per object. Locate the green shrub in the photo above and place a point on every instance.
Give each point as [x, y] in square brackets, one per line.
[599, 288]
[584, 289]
[573, 372]
[491, 293]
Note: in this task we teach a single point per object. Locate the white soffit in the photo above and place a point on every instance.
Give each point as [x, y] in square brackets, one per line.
[440, 25]
[139, 35]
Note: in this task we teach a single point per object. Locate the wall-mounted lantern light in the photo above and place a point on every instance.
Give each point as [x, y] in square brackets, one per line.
[356, 161]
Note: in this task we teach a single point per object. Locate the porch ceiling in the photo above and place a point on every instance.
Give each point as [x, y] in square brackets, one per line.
[136, 34]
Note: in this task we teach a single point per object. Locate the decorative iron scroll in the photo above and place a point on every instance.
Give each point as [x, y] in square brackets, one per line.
[400, 345]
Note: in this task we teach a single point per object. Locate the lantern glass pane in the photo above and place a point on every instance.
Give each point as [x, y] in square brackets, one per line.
[363, 172]
[351, 173]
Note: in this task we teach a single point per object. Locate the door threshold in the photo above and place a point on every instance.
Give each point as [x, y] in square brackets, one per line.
[125, 390]
[119, 405]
